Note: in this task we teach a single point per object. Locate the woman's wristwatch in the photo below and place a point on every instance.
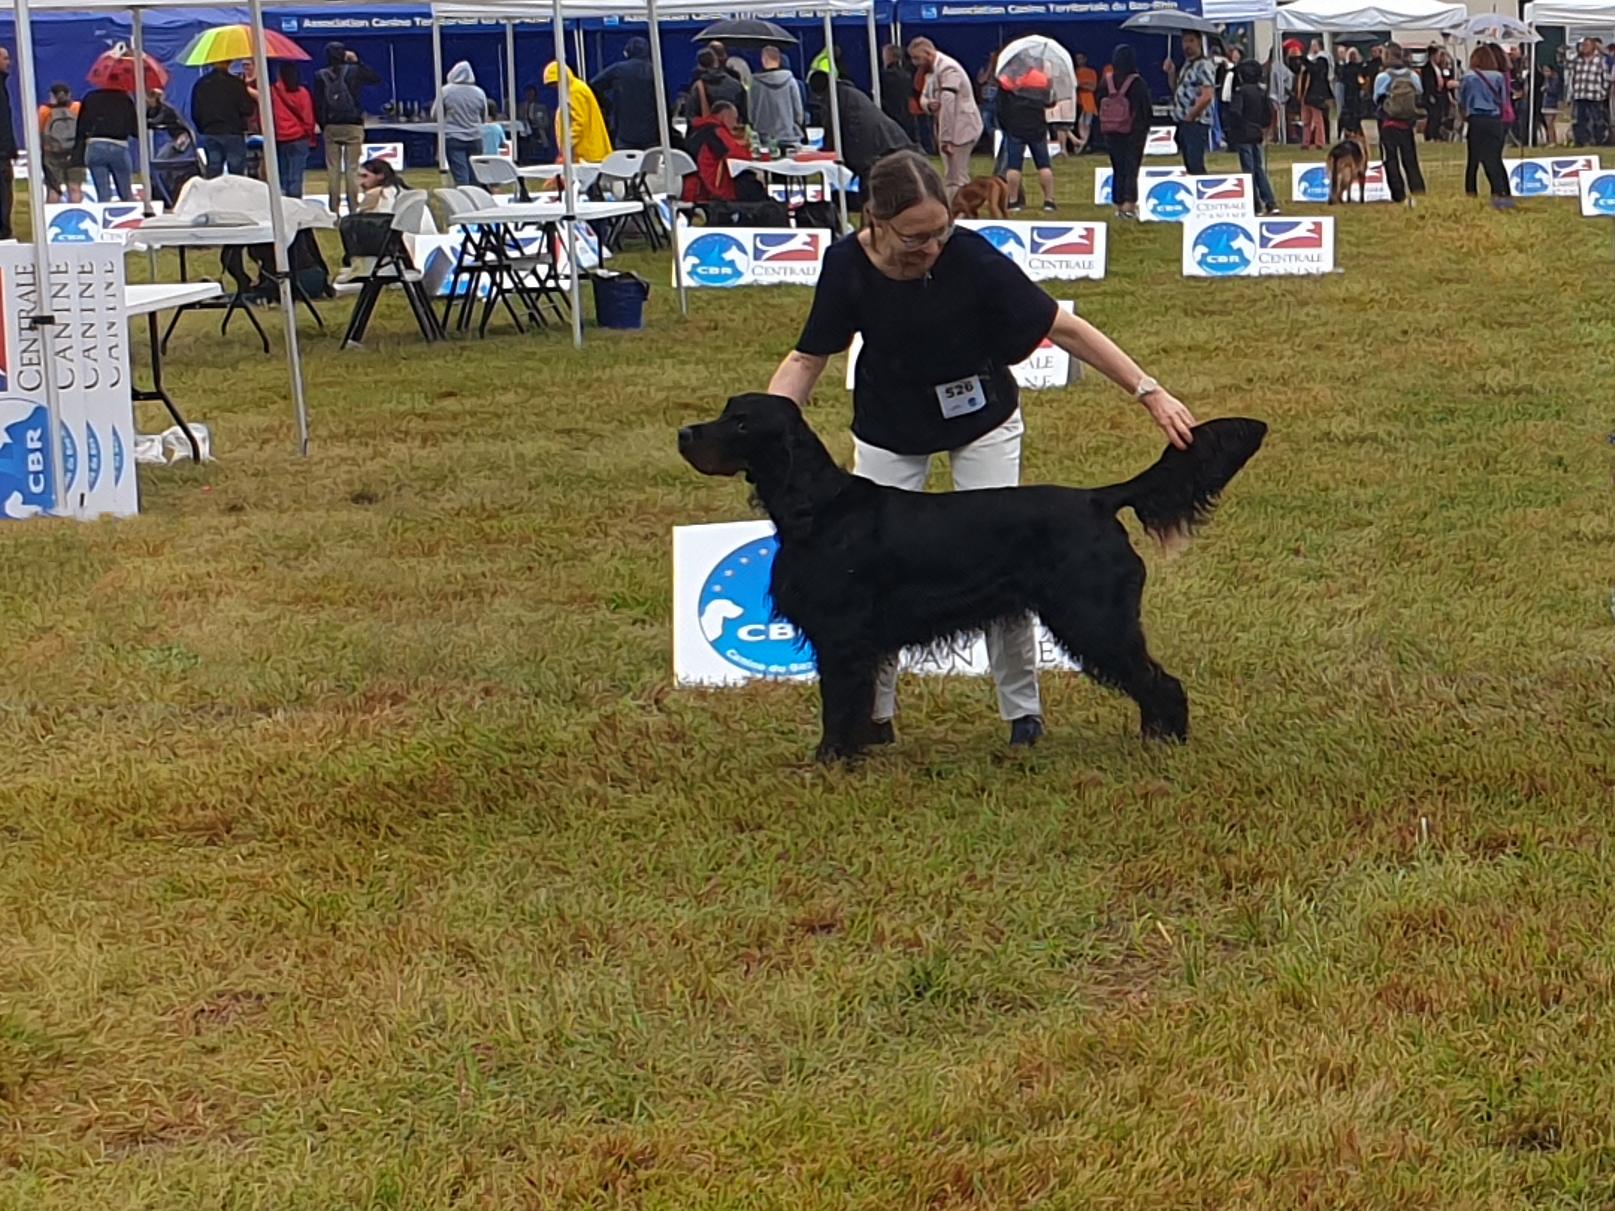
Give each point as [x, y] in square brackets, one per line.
[1146, 386]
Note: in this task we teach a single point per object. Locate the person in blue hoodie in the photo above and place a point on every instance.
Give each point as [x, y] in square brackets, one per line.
[627, 90]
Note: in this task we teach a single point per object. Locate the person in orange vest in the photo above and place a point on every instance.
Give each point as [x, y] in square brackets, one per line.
[1087, 100]
[1023, 103]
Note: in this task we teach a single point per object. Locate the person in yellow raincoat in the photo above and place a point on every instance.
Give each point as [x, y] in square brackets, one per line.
[591, 143]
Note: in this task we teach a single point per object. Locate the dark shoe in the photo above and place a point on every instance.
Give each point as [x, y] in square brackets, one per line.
[881, 733]
[1273, 210]
[1025, 731]
[1049, 208]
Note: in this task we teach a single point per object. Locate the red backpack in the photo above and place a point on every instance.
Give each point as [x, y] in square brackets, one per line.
[1115, 110]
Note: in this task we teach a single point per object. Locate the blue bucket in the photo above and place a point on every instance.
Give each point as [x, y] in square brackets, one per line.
[619, 300]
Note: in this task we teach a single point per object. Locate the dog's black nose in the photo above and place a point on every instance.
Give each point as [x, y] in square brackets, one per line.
[686, 436]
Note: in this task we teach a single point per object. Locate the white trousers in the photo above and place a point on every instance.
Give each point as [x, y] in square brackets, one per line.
[992, 461]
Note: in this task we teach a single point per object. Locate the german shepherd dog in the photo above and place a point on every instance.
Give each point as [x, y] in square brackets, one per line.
[984, 197]
[1348, 166]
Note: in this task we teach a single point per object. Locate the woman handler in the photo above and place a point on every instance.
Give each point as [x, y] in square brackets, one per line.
[944, 315]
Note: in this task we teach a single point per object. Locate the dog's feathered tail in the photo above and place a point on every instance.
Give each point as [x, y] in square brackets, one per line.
[1180, 491]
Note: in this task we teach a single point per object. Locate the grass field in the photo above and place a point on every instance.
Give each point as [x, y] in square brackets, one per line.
[358, 852]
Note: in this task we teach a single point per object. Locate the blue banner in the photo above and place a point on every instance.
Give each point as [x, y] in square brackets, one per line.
[919, 12]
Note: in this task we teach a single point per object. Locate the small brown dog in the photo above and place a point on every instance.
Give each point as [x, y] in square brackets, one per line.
[984, 197]
[1348, 166]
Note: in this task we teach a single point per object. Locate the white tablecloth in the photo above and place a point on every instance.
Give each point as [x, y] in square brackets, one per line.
[829, 170]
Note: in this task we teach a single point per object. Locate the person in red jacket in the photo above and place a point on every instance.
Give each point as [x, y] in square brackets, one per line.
[713, 141]
[295, 130]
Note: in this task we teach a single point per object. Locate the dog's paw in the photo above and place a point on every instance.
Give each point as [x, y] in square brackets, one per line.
[830, 754]
[1166, 733]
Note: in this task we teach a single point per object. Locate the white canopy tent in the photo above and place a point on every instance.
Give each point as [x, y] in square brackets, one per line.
[1572, 14]
[1358, 16]
[1227, 12]
[510, 12]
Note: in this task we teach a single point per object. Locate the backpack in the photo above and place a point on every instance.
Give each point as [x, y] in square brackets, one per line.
[1115, 110]
[1402, 98]
[338, 96]
[61, 130]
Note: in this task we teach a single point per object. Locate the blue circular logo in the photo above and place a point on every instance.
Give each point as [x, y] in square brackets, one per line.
[1223, 249]
[716, 259]
[1601, 195]
[1168, 200]
[737, 615]
[117, 457]
[1530, 180]
[70, 458]
[1006, 239]
[74, 227]
[1314, 184]
[93, 441]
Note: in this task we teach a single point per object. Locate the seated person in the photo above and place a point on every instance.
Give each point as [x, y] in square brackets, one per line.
[712, 142]
[379, 187]
[366, 231]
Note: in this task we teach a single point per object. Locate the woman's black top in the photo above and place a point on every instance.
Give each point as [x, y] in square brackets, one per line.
[974, 315]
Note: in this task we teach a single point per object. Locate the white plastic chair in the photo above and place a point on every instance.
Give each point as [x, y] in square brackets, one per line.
[622, 179]
[495, 172]
[393, 267]
[656, 182]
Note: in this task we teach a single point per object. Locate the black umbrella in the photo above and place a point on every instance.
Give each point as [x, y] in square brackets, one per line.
[746, 31]
[1167, 21]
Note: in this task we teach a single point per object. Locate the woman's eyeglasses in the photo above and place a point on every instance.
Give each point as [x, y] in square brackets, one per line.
[913, 243]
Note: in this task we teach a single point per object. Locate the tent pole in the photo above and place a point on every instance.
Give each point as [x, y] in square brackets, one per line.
[437, 105]
[874, 56]
[582, 68]
[277, 223]
[835, 113]
[669, 177]
[1530, 98]
[141, 132]
[41, 321]
[569, 220]
[510, 83]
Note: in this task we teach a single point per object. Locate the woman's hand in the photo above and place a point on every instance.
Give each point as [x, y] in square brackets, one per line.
[1086, 343]
[1175, 420]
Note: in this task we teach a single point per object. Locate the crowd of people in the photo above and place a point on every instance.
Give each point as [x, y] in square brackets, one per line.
[929, 100]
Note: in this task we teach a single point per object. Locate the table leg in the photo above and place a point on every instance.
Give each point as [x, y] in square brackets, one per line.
[238, 302]
[159, 391]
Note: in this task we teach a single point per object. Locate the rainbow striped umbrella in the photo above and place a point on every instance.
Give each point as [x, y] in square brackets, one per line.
[228, 43]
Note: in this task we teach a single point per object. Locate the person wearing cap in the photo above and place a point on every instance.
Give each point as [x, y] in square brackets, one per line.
[339, 113]
[627, 90]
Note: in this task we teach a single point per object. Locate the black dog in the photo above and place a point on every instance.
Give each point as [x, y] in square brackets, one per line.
[865, 571]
